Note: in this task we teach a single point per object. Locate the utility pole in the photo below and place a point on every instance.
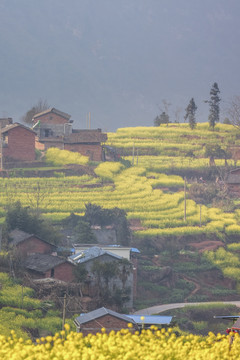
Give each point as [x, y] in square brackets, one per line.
[200, 215]
[133, 150]
[89, 119]
[185, 207]
[64, 310]
[1, 149]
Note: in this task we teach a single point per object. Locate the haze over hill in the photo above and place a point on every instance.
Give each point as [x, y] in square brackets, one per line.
[117, 59]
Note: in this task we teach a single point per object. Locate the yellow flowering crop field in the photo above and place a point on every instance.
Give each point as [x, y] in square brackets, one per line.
[151, 344]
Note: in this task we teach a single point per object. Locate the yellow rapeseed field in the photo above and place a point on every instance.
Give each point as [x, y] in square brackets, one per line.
[151, 344]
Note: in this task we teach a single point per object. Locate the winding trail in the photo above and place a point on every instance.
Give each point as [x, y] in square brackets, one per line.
[160, 308]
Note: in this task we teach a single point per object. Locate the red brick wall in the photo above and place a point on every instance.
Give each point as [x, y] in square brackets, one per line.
[107, 321]
[34, 245]
[62, 272]
[94, 152]
[21, 144]
[51, 118]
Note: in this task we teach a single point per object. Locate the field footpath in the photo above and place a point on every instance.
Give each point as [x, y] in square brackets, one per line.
[161, 308]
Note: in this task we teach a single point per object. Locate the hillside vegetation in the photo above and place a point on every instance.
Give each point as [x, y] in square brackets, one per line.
[167, 222]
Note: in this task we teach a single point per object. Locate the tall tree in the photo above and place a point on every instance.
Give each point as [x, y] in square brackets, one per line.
[190, 114]
[37, 108]
[214, 102]
[233, 111]
[163, 118]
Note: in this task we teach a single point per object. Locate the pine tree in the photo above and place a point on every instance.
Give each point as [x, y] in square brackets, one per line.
[190, 114]
[214, 110]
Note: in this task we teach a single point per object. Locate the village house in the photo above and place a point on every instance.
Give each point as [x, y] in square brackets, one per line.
[94, 321]
[123, 279]
[42, 266]
[54, 129]
[18, 143]
[26, 244]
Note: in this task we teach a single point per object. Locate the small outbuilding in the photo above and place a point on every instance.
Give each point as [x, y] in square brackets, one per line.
[41, 266]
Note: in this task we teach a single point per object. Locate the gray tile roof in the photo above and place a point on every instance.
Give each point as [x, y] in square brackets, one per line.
[85, 136]
[15, 125]
[43, 262]
[53, 110]
[91, 253]
[19, 236]
[96, 314]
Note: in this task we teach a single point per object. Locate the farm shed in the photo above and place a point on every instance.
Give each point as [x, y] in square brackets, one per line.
[28, 244]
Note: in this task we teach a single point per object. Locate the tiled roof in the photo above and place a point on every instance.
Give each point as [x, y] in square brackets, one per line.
[18, 236]
[85, 136]
[91, 253]
[15, 125]
[96, 314]
[53, 110]
[43, 262]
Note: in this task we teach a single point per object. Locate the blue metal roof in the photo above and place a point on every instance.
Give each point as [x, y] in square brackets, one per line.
[135, 250]
[151, 319]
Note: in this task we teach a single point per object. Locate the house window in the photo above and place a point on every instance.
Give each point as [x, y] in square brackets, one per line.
[52, 272]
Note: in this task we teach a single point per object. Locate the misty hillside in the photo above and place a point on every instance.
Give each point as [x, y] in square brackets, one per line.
[115, 59]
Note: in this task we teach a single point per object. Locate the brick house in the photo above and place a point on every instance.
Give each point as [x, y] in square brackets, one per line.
[42, 266]
[52, 123]
[86, 142]
[28, 244]
[94, 321]
[18, 142]
[54, 129]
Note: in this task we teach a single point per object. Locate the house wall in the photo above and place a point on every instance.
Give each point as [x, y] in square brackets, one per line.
[21, 145]
[62, 272]
[114, 283]
[93, 151]
[107, 321]
[34, 245]
[51, 118]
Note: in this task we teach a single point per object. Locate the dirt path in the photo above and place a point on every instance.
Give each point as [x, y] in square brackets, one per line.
[160, 308]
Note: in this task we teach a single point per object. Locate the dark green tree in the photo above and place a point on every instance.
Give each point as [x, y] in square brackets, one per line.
[214, 109]
[163, 118]
[24, 219]
[190, 114]
[84, 233]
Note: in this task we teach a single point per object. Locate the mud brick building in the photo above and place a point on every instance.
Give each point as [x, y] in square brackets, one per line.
[28, 244]
[54, 129]
[18, 142]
